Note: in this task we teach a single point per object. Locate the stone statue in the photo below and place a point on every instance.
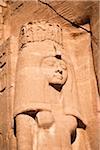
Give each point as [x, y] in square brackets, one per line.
[46, 111]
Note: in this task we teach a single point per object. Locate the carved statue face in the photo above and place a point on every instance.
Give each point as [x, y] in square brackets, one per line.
[55, 70]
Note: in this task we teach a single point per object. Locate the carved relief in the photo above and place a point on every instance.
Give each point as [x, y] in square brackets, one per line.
[3, 75]
[46, 113]
[2, 6]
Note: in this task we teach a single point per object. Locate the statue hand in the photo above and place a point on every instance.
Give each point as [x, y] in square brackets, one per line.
[44, 119]
[70, 123]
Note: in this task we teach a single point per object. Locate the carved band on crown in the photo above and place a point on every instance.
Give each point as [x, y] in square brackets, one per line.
[38, 31]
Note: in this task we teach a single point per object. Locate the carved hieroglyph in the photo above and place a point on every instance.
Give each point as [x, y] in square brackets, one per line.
[46, 111]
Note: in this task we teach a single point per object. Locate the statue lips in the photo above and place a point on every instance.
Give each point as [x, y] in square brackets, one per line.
[58, 76]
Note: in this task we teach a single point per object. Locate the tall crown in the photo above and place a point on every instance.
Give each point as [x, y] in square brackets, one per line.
[38, 31]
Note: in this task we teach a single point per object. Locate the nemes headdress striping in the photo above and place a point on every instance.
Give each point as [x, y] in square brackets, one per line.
[38, 31]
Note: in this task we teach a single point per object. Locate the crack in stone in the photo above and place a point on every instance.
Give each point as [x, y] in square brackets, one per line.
[72, 23]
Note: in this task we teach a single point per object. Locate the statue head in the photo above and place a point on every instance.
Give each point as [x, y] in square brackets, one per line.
[42, 44]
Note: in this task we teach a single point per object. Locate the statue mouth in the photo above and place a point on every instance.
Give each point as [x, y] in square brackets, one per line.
[58, 76]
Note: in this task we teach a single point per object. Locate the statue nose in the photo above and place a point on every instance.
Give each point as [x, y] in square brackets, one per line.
[59, 71]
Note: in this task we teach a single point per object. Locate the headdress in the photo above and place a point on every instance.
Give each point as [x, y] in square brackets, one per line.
[38, 31]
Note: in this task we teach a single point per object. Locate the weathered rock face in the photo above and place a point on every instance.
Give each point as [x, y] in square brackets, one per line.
[48, 72]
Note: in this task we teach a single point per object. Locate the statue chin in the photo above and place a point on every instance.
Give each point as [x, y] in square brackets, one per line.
[57, 86]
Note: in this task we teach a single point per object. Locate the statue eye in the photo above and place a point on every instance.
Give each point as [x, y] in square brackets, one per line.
[50, 63]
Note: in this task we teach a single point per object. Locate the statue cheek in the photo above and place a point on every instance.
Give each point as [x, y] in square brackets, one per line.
[50, 74]
[65, 75]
